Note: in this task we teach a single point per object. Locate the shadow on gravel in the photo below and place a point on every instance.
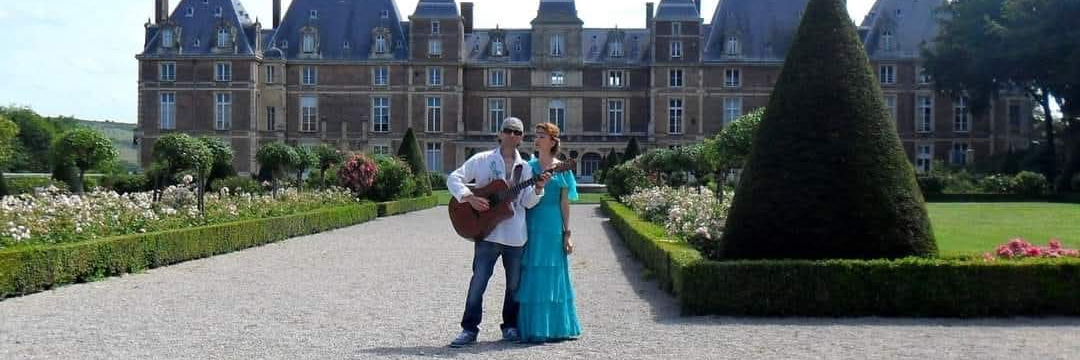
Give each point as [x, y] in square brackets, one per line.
[665, 308]
[483, 347]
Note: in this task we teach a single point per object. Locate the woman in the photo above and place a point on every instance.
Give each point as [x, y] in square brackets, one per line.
[545, 293]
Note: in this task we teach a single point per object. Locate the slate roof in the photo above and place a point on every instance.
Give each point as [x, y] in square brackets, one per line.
[436, 9]
[677, 10]
[340, 21]
[478, 46]
[596, 46]
[911, 23]
[765, 28]
[557, 12]
[202, 26]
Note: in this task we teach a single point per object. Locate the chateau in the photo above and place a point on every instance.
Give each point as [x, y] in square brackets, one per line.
[358, 74]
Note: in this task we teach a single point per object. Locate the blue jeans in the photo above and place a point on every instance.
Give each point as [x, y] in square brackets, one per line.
[484, 255]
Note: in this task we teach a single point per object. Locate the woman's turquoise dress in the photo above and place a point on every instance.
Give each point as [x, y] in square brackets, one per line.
[545, 293]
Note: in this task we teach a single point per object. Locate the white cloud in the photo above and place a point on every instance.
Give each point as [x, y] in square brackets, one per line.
[3, 14]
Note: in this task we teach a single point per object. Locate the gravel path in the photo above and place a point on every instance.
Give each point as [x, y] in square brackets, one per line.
[395, 288]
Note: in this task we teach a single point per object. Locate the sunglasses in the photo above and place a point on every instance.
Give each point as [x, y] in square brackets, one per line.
[515, 132]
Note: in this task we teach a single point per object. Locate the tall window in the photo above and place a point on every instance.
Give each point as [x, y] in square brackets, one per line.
[496, 114]
[676, 49]
[434, 114]
[497, 48]
[557, 78]
[732, 78]
[382, 76]
[435, 28]
[380, 114]
[167, 111]
[309, 43]
[557, 113]
[223, 71]
[923, 157]
[167, 71]
[309, 75]
[497, 77]
[556, 45]
[222, 111]
[616, 49]
[732, 109]
[924, 76]
[434, 156]
[675, 115]
[589, 164]
[1014, 116]
[434, 77]
[960, 153]
[434, 47]
[925, 113]
[960, 114]
[271, 117]
[886, 40]
[887, 74]
[676, 28]
[167, 38]
[223, 37]
[732, 47]
[271, 73]
[380, 44]
[890, 103]
[616, 115]
[616, 78]
[675, 78]
[309, 110]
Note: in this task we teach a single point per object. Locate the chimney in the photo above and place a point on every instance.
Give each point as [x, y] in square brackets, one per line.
[161, 9]
[467, 16]
[697, 5]
[648, 14]
[277, 13]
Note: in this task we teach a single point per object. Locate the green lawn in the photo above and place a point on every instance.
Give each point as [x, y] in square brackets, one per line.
[590, 198]
[975, 228]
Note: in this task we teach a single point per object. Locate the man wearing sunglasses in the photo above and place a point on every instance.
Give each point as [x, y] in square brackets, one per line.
[508, 237]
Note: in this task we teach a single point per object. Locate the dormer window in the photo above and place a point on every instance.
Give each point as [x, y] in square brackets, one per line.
[886, 40]
[217, 12]
[436, 29]
[197, 43]
[385, 14]
[223, 35]
[284, 44]
[497, 48]
[204, 2]
[309, 43]
[190, 12]
[616, 49]
[732, 48]
[167, 37]
[380, 44]
[314, 14]
[345, 45]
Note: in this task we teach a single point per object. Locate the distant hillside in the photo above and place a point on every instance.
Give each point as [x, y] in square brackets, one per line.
[120, 134]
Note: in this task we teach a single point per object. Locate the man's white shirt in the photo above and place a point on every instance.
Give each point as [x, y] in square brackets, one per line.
[489, 166]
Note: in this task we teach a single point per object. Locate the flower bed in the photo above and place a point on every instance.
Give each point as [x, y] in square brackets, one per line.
[54, 217]
[905, 287]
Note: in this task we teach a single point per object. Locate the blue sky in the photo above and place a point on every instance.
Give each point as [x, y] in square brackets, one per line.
[77, 57]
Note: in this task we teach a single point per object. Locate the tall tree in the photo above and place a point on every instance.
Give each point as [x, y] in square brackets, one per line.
[275, 156]
[827, 176]
[177, 152]
[328, 156]
[8, 131]
[632, 150]
[304, 160]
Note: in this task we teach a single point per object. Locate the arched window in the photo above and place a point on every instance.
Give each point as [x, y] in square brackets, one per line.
[309, 43]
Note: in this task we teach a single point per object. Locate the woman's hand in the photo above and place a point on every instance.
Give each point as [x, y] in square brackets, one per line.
[567, 245]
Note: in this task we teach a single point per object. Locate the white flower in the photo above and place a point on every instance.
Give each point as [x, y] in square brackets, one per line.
[187, 179]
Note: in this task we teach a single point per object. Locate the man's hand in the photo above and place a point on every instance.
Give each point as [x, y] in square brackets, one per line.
[478, 203]
[541, 182]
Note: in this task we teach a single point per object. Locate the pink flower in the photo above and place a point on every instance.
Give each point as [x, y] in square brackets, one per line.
[1055, 244]
[1004, 251]
[1033, 251]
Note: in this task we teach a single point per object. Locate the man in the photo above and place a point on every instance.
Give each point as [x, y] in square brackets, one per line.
[508, 237]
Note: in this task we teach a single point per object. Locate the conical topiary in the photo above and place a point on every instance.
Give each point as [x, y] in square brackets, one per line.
[827, 176]
[632, 150]
[409, 151]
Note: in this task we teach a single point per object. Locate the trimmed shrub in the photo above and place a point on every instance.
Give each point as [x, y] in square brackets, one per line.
[1029, 183]
[124, 183]
[625, 178]
[995, 184]
[30, 269]
[931, 184]
[237, 184]
[402, 206]
[833, 182]
[437, 180]
[409, 152]
[394, 180]
[27, 184]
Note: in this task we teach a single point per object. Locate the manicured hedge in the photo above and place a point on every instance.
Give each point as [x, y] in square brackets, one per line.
[905, 287]
[1061, 197]
[25, 270]
[407, 205]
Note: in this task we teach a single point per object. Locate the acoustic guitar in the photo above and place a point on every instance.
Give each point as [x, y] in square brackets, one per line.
[476, 225]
